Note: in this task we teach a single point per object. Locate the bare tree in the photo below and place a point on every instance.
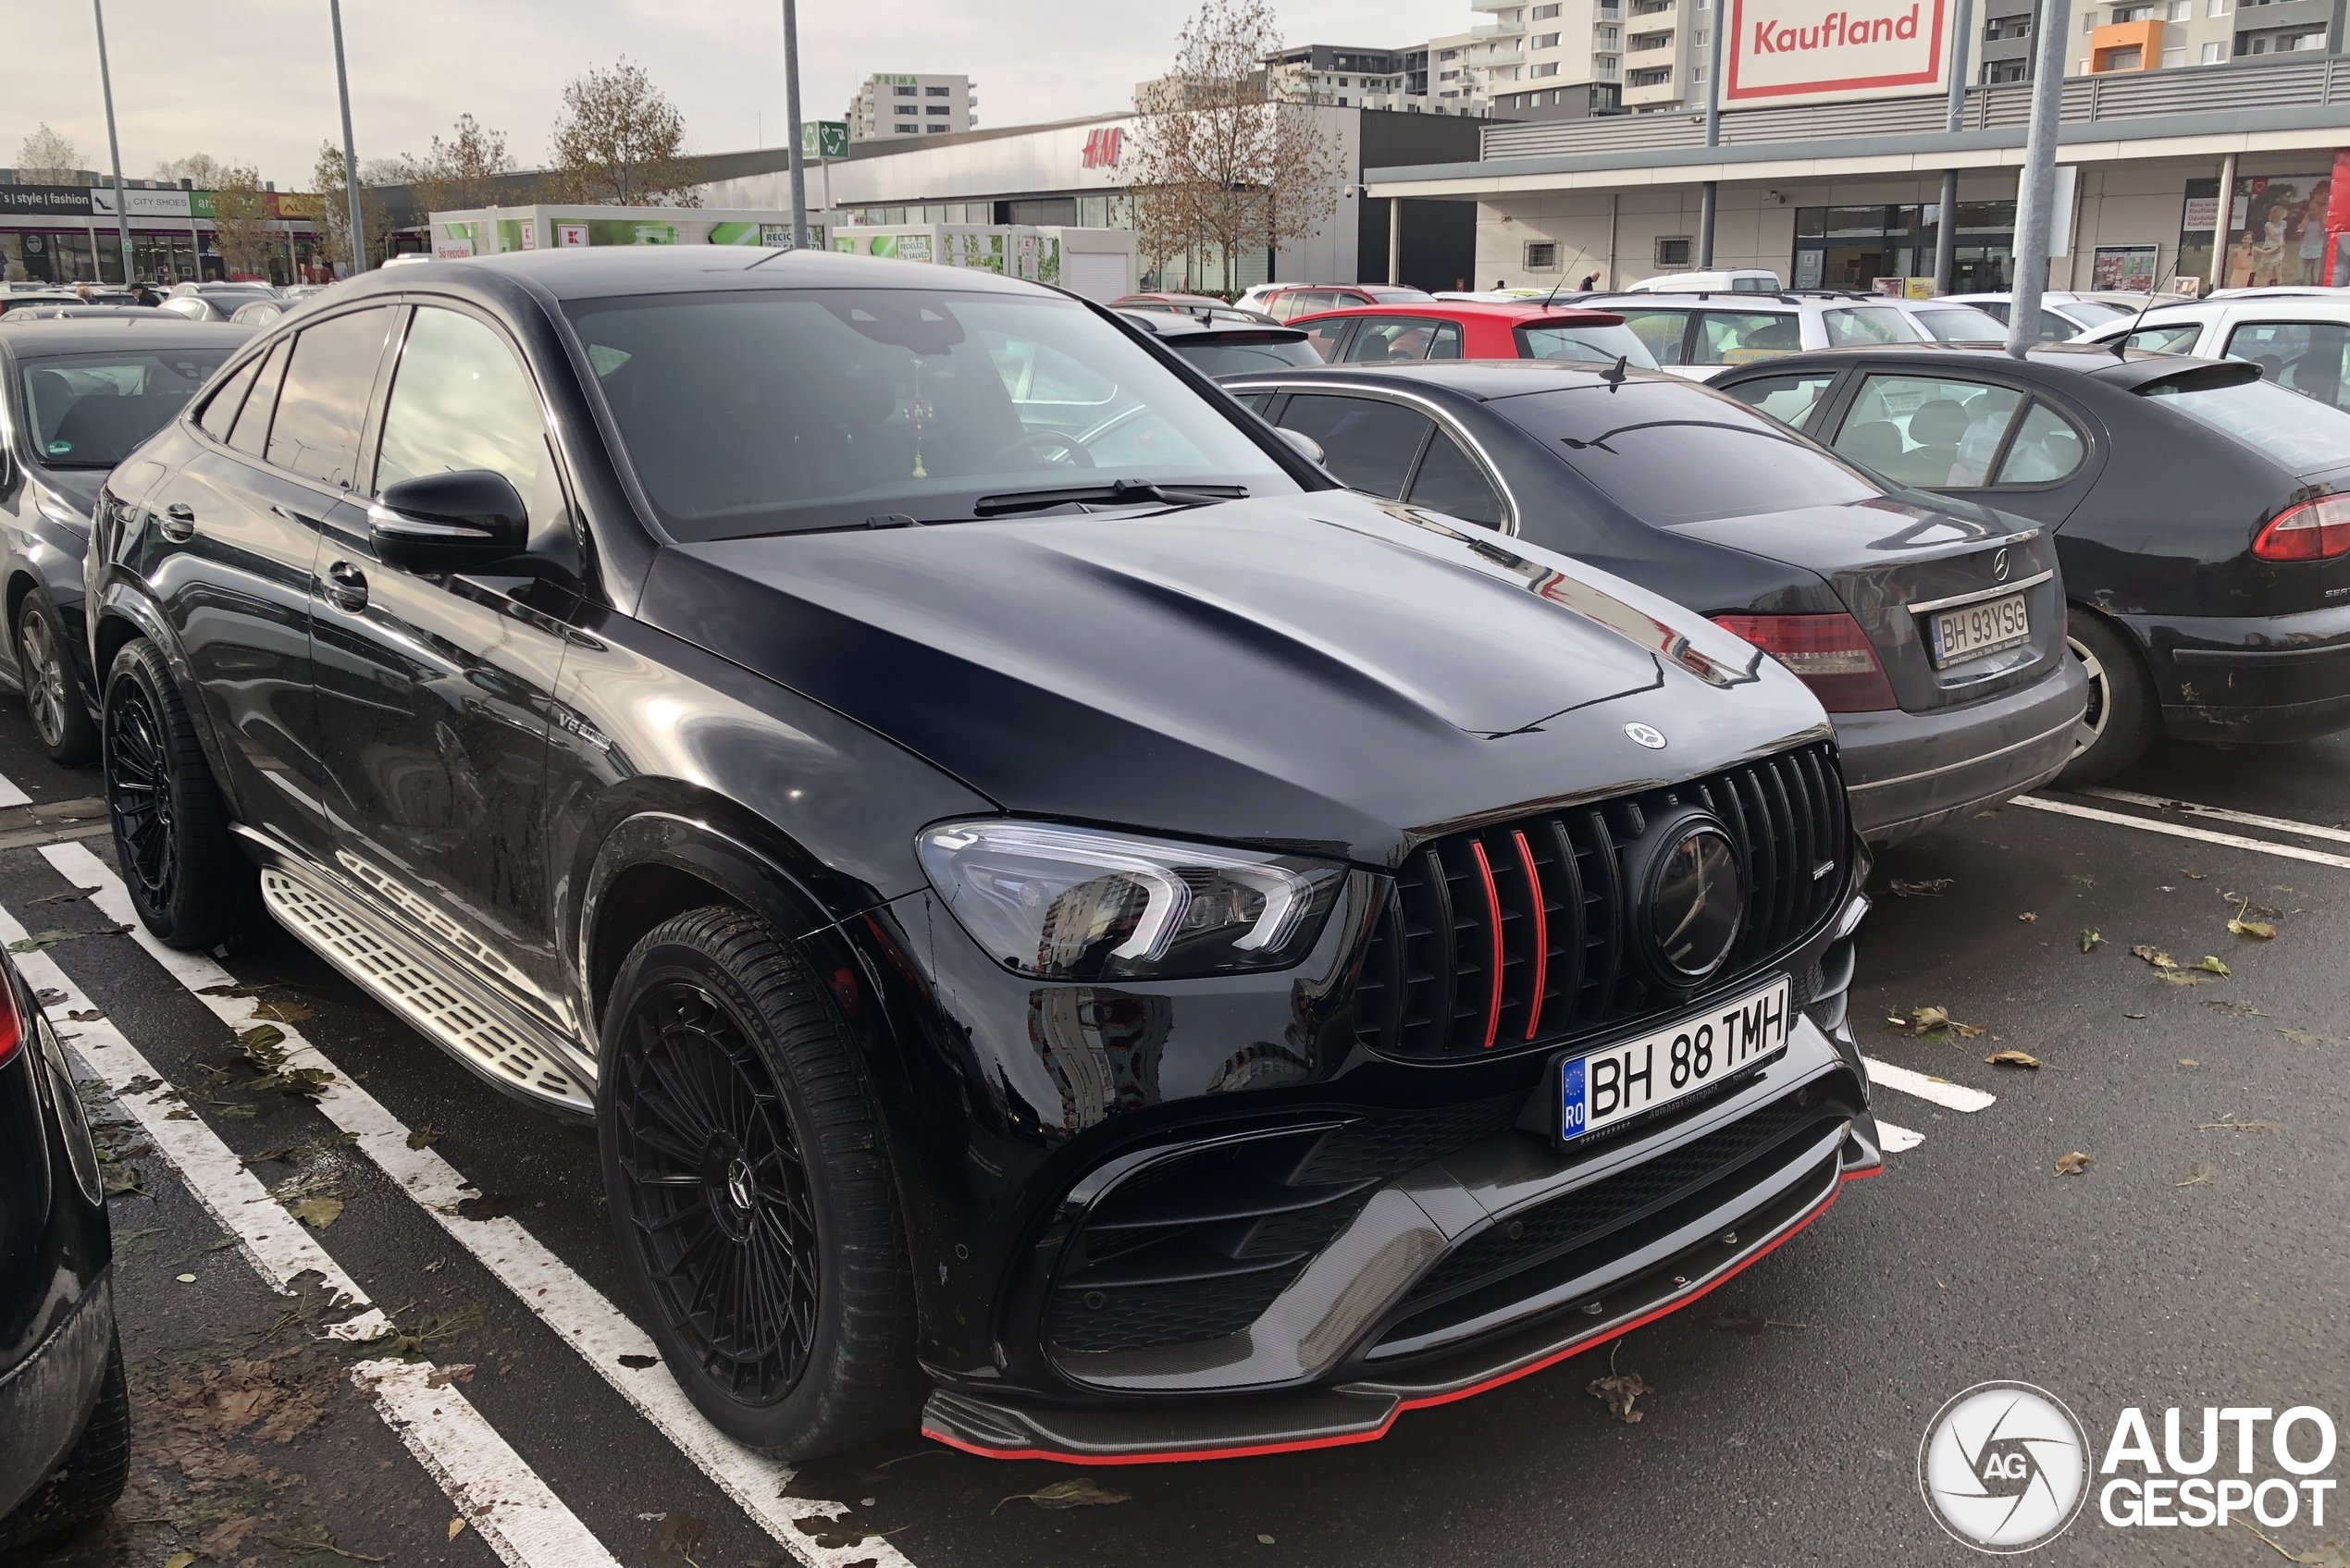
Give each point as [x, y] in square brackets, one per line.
[200, 169]
[620, 142]
[241, 222]
[48, 157]
[334, 204]
[1227, 159]
[460, 174]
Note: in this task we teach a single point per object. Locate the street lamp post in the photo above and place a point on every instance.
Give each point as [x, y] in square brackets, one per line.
[114, 150]
[798, 163]
[350, 151]
[1709, 195]
[2035, 196]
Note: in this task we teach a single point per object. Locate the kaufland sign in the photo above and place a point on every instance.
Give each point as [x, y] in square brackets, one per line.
[1798, 51]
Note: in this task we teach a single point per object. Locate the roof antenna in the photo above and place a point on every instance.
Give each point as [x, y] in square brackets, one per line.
[1614, 373]
[2121, 344]
[1562, 272]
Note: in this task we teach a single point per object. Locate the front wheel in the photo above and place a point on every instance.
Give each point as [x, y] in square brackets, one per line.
[748, 1184]
[52, 688]
[2120, 719]
[186, 879]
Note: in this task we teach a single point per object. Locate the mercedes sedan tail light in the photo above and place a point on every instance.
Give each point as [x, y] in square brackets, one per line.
[2316, 530]
[1831, 654]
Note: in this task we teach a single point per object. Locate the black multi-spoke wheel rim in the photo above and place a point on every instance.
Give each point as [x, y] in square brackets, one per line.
[48, 685]
[724, 1222]
[139, 790]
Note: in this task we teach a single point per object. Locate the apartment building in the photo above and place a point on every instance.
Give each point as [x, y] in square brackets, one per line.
[887, 108]
[1583, 58]
[2157, 35]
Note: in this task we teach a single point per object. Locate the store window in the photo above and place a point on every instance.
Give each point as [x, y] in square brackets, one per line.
[1852, 247]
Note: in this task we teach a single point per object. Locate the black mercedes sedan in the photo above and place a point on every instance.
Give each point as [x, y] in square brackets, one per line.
[2201, 516]
[64, 1406]
[1933, 631]
[1059, 915]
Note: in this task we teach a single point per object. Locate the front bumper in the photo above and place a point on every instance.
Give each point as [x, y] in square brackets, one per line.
[45, 1400]
[2254, 680]
[1464, 1273]
[1906, 772]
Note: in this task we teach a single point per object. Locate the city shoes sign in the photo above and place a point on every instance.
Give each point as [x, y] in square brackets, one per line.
[1811, 51]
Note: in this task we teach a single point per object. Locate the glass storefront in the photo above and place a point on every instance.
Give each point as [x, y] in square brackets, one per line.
[2276, 230]
[78, 255]
[1852, 247]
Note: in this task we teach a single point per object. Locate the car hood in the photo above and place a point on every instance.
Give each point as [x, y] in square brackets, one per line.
[1317, 669]
[79, 486]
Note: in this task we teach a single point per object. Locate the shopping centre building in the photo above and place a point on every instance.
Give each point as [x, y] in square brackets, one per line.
[68, 234]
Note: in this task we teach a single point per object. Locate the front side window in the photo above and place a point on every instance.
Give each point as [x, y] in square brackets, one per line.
[1790, 399]
[2308, 356]
[88, 411]
[1668, 452]
[1370, 444]
[459, 402]
[763, 413]
[1868, 324]
[323, 399]
[1727, 337]
[1932, 432]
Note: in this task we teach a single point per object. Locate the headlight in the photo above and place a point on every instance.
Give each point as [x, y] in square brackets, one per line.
[1081, 904]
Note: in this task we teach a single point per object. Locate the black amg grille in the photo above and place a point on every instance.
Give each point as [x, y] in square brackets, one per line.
[1197, 1246]
[1517, 932]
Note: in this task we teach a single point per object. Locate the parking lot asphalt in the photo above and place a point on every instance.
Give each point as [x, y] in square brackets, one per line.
[2199, 1260]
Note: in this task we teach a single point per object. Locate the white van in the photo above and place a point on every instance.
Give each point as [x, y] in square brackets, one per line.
[1738, 281]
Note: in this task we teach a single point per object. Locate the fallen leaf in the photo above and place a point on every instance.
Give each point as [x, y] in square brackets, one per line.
[639, 1362]
[1076, 1492]
[308, 1536]
[283, 1011]
[2134, 1015]
[260, 1038]
[442, 1377]
[317, 1213]
[86, 1015]
[121, 1179]
[2028, 917]
[1929, 1023]
[2200, 1175]
[2074, 1163]
[455, 1526]
[1619, 1392]
[2257, 931]
[71, 896]
[142, 1084]
[2213, 966]
[223, 1539]
[2303, 1037]
[131, 1243]
[678, 1539]
[1928, 887]
[1265, 1540]
[2189, 1062]
[2154, 955]
[181, 1560]
[49, 996]
[2237, 1009]
[38, 940]
[2230, 1124]
[2330, 1555]
[2012, 1060]
[2091, 939]
[2190, 874]
[185, 1279]
[424, 1137]
[232, 990]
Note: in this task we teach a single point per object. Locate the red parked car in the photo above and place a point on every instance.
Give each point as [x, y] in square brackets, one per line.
[1472, 329]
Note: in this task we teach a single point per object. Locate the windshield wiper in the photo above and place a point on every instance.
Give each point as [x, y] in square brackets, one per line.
[1117, 493]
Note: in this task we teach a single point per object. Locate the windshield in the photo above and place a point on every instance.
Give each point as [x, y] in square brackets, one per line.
[2298, 431]
[770, 413]
[1598, 344]
[1868, 324]
[89, 411]
[1962, 325]
[2094, 313]
[1668, 452]
[1238, 353]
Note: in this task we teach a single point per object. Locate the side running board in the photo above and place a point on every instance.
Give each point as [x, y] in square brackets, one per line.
[496, 1041]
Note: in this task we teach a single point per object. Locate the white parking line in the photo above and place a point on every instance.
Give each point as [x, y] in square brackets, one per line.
[273, 1241]
[1897, 1140]
[2222, 813]
[544, 1283]
[2180, 830]
[525, 1524]
[1952, 1097]
[11, 796]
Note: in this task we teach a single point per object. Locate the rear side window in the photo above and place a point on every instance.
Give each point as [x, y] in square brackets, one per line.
[2308, 356]
[1790, 399]
[1389, 339]
[1662, 330]
[1741, 337]
[1451, 482]
[2046, 449]
[219, 414]
[323, 399]
[1868, 324]
[2302, 434]
[250, 434]
[1325, 337]
[1368, 444]
[1930, 431]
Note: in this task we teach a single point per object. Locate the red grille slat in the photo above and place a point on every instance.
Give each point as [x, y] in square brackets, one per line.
[1493, 920]
[1541, 934]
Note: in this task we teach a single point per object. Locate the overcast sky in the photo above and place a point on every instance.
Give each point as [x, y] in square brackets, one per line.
[253, 81]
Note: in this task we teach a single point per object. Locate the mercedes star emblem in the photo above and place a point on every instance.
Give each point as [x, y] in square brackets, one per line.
[1999, 567]
[1646, 735]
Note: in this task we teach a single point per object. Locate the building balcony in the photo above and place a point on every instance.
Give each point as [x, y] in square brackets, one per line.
[1648, 44]
[1494, 54]
[1496, 29]
[2125, 47]
[1638, 95]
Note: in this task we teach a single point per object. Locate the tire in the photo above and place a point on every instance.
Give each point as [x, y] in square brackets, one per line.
[186, 880]
[771, 1159]
[89, 1478]
[2121, 719]
[51, 684]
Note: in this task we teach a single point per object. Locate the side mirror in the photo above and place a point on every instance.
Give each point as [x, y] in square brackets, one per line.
[448, 522]
[1307, 445]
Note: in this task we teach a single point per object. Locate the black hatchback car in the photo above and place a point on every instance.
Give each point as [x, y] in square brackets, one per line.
[64, 1406]
[1049, 902]
[2202, 517]
[1933, 631]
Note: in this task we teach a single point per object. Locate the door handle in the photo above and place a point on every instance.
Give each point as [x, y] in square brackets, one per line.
[179, 521]
[346, 586]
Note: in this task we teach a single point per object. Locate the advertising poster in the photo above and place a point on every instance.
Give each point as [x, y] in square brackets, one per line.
[570, 234]
[2125, 268]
